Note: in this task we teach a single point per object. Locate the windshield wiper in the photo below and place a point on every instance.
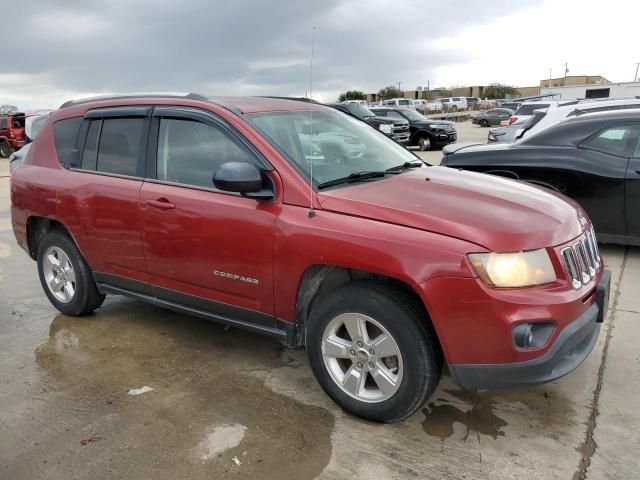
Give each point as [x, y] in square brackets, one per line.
[356, 177]
[406, 165]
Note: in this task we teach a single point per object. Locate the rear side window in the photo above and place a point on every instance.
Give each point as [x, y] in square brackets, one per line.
[3, 123]
[119, 145]
[528, 109]
[65, 133]
[403, 102]
[613, 140]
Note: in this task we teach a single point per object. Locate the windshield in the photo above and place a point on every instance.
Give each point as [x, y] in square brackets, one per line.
[338, 145]
[412, 115]
[359, 111]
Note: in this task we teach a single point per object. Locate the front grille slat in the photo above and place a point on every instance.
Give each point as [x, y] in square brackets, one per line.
[582, 259]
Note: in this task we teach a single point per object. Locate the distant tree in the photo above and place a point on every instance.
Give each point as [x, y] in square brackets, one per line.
[352, 95]
[498, 90]
[389, 92]
[4, 109]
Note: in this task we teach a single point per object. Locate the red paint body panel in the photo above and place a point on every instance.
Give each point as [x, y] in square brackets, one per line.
[404, 227]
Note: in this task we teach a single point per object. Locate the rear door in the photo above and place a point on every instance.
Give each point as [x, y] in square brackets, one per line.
[633, 192]
[208, 249]
[99, 203]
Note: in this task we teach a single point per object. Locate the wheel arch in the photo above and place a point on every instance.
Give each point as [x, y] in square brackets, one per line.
[38, 227]
[317, 280]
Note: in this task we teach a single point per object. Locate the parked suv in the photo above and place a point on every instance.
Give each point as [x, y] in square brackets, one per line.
[454, 104]
[396, 128]
[381, 266]
[399, 102]
[11, 133]
[425, 133]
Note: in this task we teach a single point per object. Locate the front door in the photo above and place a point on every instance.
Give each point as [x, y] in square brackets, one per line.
[205, 248]
[632, 203]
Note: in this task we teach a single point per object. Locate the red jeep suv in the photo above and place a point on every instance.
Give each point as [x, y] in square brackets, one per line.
[297, 221]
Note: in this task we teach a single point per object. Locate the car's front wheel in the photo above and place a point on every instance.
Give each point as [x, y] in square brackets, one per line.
[65, 276]
[424, 143]
[5, 149]
[484, 123]
[372, 351]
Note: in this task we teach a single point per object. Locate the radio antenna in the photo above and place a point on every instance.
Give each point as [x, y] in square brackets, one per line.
[312, 213]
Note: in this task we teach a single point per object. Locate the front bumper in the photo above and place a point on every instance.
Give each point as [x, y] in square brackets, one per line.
[569, 349]
[445, 138]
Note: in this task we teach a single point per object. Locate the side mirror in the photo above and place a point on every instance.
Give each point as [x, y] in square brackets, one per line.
[241, 177]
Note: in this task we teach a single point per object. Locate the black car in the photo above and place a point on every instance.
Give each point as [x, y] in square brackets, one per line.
[426, 133]
[396, 128]
[492, 117]
[593, 158]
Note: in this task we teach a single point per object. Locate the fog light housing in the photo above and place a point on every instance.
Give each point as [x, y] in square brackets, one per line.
[527, 336]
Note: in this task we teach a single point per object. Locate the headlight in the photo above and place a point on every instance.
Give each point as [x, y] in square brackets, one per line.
[519, 269]
[435, 126]
[386, 128]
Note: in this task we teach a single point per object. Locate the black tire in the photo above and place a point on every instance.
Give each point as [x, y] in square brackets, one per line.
[405, 321]
[425, 143]
[5, 150]
[86, 297]
[454, 108]
[484, 123]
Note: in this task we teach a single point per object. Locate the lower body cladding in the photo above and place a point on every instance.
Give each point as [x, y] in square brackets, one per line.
[487, 351]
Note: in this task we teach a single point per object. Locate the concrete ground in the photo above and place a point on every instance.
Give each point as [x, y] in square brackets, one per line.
[134, 391]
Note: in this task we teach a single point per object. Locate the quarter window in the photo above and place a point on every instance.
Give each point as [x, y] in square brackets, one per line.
[90, 152]
[613, 140]
[65, 133]
[3, 123]
[189, 152]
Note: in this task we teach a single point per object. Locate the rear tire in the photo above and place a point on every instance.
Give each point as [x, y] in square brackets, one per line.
[372, 351]
[65, 276]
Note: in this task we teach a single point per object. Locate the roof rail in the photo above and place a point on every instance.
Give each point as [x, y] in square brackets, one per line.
[295, 99]
[124, 96]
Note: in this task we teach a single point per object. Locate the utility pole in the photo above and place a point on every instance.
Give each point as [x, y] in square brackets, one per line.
[399, 83]
[566, 70]
[635, 78]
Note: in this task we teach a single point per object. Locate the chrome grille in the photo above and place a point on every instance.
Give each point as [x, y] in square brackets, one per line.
[582, 259]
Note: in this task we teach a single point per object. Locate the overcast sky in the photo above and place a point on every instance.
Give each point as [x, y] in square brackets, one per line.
[56, 50]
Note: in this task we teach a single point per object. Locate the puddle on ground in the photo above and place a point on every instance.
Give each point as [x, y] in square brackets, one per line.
[204, 411]
[439, 419]
[546, 412]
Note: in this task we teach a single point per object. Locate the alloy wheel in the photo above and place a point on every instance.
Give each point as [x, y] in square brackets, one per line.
[59, 274]
[362, 357]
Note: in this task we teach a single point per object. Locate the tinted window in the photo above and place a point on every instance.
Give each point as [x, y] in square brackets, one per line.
[529, 108]
[120, 145]
[612, 140]
[444, 100]
[3, 123]
[65, 133]
[380, 113]
[403, 102]
[189, 152]
[90, 151]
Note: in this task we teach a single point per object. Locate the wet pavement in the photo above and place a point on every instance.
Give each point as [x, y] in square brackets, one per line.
[134, 391]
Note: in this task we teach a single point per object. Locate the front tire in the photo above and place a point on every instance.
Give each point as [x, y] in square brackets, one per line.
[424, 143]
[5, 150]
[484, 123]
[372, 351]
[65, 276]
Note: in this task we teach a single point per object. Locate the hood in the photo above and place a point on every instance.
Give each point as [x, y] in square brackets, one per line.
[439, 122]
[496, 213]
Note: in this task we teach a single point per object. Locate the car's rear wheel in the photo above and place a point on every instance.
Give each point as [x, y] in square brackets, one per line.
[454, 108]
[372, 351]
[484, 123]
[424, 143]
[5, 150]
[65, 276]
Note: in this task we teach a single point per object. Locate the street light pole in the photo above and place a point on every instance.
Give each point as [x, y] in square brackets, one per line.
[635, 78]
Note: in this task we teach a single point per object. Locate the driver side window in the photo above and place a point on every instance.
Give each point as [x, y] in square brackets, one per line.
[612, 140]
[189, 152]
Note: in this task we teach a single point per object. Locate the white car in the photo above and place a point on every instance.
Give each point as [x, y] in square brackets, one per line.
[454, 104]
[572, 109]
[358, 102]
[427, 106]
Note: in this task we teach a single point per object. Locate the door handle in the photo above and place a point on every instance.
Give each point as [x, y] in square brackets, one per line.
[161, 204]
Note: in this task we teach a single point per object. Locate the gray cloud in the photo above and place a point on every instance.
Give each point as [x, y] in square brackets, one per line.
[234, 47]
